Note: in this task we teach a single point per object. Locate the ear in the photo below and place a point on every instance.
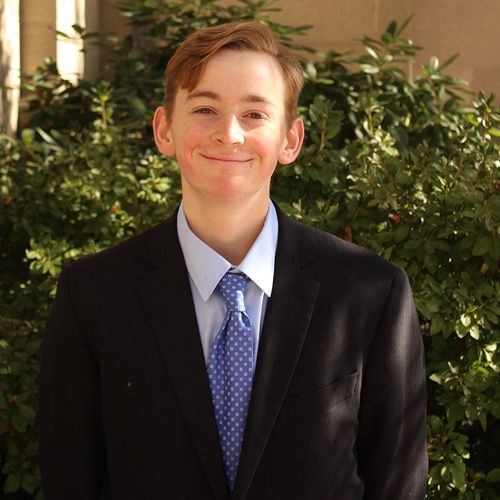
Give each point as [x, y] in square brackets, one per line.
[163, 132]
[292, 143]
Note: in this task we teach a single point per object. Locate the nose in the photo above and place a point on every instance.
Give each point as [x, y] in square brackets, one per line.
[228, 131]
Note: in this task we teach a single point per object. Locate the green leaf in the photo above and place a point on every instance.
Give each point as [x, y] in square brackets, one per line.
[405, 23]
[28, 136]
[391, 28]
[449, 61]
[482, 246]
[474, 332]
[28, 481]
[437, 325]
[370, 69]
[457, 469]
[493, 476]
[434, 63]
[13, 482]
[401, 232]
[483, 421]
[455, 412]
[465, 320]
[138, 106]
[45, 136]
[19, 423]
[64, 35]
[371, 52]
[435, 423]
[27, 412]
[445, 472]
[434, 476]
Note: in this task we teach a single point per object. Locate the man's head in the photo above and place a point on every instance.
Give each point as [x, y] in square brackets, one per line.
[229, 115]
[186, 67]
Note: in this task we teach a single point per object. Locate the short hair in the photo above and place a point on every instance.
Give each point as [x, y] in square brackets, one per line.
[185, 68]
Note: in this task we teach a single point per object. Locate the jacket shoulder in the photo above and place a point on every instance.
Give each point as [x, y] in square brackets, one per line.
[330, 250]
[119, 258]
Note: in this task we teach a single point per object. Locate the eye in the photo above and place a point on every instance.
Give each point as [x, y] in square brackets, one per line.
[255, 115]
[203, 111]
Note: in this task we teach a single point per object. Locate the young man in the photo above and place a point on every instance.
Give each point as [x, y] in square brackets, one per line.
[230, 352]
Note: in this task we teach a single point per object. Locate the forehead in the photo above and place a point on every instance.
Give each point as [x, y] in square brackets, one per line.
[237, 74]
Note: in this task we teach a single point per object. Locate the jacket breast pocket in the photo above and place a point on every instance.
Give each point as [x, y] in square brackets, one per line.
[322, 400]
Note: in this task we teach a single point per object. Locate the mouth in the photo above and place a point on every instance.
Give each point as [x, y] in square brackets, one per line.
[225, 159]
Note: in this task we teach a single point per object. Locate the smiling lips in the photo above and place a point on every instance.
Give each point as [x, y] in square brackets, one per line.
[227, 159]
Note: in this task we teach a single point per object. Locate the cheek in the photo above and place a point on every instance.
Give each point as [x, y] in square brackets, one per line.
[268, 145]
[187, 142]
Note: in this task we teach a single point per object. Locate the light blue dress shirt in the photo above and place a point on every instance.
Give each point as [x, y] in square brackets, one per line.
[206, 268]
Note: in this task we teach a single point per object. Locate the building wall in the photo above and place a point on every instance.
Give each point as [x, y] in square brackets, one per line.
[337, 23]
[442, 27]
[472, 29]
[38, 24]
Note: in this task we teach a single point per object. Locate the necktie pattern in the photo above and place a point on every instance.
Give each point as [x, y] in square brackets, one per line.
[230, 371]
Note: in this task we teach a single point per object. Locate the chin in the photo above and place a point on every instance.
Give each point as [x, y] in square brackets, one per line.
[228, 187]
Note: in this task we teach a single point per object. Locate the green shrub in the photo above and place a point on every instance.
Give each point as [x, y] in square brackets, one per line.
[402, 167]
[19, 346]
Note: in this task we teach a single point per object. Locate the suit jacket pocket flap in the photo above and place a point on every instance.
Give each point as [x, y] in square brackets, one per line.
[322, 400]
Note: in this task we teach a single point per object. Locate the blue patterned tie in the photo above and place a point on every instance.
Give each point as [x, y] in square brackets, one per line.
[230, 371]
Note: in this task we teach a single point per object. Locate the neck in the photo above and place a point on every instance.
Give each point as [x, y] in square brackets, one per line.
[229, 230]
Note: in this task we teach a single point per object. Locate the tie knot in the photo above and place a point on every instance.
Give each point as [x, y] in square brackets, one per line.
[232, 288]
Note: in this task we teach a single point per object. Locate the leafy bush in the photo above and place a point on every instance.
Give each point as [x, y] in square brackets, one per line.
[402, 167]
[19, 346]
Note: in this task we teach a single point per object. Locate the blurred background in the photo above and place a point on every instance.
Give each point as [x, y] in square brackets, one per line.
[443, 28]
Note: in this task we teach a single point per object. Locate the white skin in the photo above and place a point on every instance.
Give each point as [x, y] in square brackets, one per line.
[228, 136]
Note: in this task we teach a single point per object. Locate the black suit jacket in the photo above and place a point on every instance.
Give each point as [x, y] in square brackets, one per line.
[338, 402]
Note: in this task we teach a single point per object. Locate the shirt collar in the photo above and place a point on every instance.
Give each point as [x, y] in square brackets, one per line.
[206, 267]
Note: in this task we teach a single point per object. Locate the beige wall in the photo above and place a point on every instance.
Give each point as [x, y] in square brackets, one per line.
[110, 22]
[442, 27]
[472, 29]
[338, 22]
[110, 18]
[38, 23]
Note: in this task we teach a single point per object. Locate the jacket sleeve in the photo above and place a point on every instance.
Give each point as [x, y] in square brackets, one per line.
[71, 450]
[391, 445]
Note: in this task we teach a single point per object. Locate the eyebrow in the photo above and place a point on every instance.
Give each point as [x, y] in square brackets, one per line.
[216, 97]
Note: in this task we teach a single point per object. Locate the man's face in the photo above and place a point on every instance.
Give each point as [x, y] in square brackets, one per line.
[229, 133]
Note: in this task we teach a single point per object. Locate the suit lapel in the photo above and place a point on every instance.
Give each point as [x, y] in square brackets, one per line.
[166, 294]
[287, 318]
